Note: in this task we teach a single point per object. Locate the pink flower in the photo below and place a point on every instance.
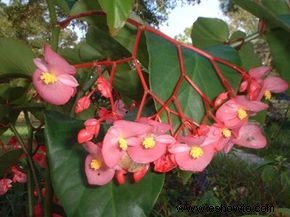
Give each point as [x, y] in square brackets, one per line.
[54, 78]
[104, 87]
[40, 156]
[258, 85]
[5, 184]
[250, 136]
[92, 127]
[153, 145]
[96, 170]
[18, 175]
[83, 104]
[138, 176]
[190, 155]
[219, 137]
[120, 137]
[235, 112]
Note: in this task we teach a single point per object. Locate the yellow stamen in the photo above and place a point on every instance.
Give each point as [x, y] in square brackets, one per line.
[48, 78]
[226, 133]
[95, 164]
[196, 152]
[123, 144]
[267, 95]
[149, 142]
[242, 114]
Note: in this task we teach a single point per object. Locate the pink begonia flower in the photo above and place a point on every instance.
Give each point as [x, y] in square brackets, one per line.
[138, 176]
[54, 78]
[153, 145]
[121, 176]
[96, 170]
[104, 87]
[165, 163]
[258, 85]
[83, 104]
[92, 128]
[235, 112]
[250, 136]
[40, 156]
[18, 175]
[190, 155]
[109, 116]
[5, 184]
[120, 137]
[220, 99]
[219, 137]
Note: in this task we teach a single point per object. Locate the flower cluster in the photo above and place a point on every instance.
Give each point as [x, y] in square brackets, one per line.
[131, 146]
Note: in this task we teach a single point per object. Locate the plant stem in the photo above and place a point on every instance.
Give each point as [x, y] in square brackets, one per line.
[30, 193]
[247, 39]
[29, 159]
[48, 194]
[53, 21]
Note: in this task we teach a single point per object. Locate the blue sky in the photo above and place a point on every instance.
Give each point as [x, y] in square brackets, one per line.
[182, 17]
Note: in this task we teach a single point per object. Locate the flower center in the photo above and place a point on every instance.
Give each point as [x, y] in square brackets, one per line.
[95, 164]
[242, 114]
[48, 78]
[149, 142]
[226, 133]
[267, 95]
[123, 144]
[196, 152]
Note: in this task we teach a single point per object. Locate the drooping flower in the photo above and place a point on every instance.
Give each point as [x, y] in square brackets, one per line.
[92, 128]
[104, 87]
[190, 155]
[54, 78]
[138, 176]
[250, 136]
[97, 172]
[18, 176]
[5, 184]
[40, 156]
[165, 163]
[83, 104]
[235, 112]
[120, 137]
[153, 145]
[259, 85]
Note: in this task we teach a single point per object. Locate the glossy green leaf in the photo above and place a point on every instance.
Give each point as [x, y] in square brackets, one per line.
[280, 49]
[8, 159]
[64, 5]
[164, 72]
[268, 10]
[248, 57]
[117, 13]
[66, 161]
[15, 58]
[207, 32]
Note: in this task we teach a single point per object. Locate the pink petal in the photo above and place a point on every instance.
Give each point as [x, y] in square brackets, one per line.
[250, 105]
[192, 140]
[131, 128]
[68, 80]
[56, 63]
[92, 148]
[185, 162]
[40, 64]
[251, 136]
[142, 155]
[57, 93]
[275, 84]
[259, 72]
[166, 139]
[110, 150]
[158, 128]
[98, 177]
[178, 148]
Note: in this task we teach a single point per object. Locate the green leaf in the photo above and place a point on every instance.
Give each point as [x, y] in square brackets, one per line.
[268, 10]
[283, 211]
[8, 159]
[248, 57]
[64, 5]
[285, 179]
[268, 173]
[164, 72]
[66, 162]
[15, 58]
[280, 50]
[117, 13]
[207, 32]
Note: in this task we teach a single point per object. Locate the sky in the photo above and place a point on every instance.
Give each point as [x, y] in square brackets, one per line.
[182, 17]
